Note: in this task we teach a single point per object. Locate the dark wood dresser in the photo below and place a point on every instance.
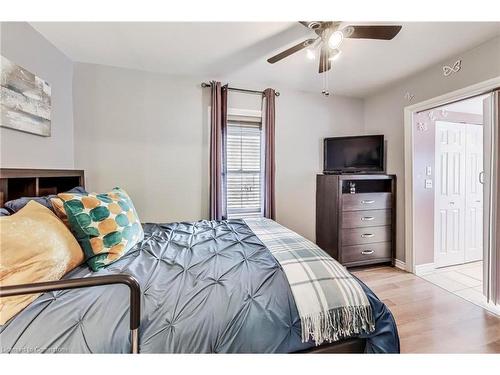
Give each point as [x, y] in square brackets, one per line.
[355, 217]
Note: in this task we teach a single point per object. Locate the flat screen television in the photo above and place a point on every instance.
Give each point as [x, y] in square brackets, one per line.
[358, 154]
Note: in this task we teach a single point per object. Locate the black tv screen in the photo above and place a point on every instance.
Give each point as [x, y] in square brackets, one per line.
[354, 154]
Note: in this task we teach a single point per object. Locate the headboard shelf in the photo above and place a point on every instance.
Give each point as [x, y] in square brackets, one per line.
[18, 182]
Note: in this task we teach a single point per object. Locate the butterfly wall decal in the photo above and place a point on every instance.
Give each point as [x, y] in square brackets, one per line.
[447, 70]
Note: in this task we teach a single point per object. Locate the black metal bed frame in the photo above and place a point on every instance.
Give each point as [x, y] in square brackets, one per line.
[87, 282]
[345, 346]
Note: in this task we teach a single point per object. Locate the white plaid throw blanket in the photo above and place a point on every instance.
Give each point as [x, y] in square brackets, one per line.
[331, 303]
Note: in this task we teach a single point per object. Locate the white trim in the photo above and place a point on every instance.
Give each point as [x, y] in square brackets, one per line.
[409, 111]
[421, 269]
[400, 264]
[457, 95]
[409, 209]
[243, 112]
[495, 309]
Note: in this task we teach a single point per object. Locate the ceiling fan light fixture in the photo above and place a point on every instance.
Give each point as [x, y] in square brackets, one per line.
[310, 54]
[348, 31]
[313, 25]
[335, 39]
[335, 54]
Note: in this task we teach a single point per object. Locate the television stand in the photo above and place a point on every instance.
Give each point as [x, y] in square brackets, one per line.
[356, 227]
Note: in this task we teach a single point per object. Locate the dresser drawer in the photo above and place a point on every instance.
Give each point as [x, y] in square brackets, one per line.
[366, 201]
[359, 236]
[359, 253]
[371, 218]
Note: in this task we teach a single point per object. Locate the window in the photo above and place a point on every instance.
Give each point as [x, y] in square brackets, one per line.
[243, 180]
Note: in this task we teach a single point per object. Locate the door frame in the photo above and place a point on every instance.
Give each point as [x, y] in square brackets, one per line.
[409, 111]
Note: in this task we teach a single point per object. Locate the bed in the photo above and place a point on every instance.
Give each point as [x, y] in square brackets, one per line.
[205, 287]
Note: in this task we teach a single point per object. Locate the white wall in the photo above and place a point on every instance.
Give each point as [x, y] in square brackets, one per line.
[383, 111]
[24, 46]
[148, 133]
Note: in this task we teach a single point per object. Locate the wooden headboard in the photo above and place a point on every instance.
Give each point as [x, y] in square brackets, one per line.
[16, 183]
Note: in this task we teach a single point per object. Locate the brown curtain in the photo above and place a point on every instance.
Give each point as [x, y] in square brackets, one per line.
[269, 167]
[218, 127]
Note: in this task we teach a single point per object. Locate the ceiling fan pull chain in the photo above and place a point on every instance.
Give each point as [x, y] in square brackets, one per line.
[326, 78]
[323, 56]
[326, 83]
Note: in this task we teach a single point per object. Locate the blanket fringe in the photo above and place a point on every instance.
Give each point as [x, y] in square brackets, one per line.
[336, 324]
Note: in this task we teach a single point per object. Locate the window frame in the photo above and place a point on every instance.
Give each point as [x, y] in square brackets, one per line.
[236, 114]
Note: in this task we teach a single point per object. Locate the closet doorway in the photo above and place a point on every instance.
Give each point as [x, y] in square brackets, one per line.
[452, 155]
[458, 193]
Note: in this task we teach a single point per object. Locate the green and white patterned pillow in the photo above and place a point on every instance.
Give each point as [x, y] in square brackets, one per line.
[105, 225]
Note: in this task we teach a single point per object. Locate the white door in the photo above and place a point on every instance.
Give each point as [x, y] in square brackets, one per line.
[474, 192]
[449, 240]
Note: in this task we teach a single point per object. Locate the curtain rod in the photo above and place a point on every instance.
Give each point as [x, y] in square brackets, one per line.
[204, 84]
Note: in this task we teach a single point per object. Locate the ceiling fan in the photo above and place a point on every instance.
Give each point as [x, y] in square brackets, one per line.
[330, 37]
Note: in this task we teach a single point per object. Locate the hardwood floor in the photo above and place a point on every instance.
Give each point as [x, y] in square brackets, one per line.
[429, 318]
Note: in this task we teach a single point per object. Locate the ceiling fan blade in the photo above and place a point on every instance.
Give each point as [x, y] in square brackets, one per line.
[291, 50]
[385, 32]
[324, 59]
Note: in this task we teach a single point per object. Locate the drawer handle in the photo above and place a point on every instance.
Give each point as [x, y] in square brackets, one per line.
[367, 235]
[367, 218]
[367, 201]
[367, 252]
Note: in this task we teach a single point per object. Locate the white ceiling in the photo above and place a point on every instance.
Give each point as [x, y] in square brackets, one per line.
[238, 51]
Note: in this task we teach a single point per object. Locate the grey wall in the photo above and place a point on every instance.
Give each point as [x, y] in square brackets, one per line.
[302, 121]
[145, 133]
[383, 111]
[24, 46]
[137, 129]
[148, 133]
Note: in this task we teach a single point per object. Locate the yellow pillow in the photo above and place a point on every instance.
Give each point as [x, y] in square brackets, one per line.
[35, 246]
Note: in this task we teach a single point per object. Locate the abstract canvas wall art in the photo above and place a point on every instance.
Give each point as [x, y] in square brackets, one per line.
[25, 100]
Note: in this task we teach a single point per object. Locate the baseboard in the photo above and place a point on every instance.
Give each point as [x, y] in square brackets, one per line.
[421, 269]
[400, 264]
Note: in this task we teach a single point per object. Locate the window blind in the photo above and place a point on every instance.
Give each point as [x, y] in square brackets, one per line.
[243, 161]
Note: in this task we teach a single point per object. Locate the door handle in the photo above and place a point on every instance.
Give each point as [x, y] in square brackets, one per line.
[367, 235]
[481, 178]
[367, 201]
[367, 218]
[367, 252]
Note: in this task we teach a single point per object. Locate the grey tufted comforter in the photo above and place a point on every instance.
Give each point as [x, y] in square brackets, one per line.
[208, 286]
